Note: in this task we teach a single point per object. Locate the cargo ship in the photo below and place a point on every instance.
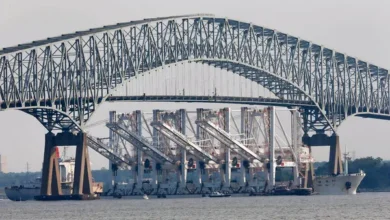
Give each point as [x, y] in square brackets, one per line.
[31, 188]
[342, 184]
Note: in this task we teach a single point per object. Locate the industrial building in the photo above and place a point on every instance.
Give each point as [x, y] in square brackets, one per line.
[3, 164]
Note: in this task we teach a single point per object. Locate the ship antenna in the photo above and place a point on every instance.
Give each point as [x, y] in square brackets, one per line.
[64, 154]
[27, 172]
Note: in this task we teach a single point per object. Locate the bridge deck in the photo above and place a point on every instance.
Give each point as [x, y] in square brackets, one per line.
[217, 99]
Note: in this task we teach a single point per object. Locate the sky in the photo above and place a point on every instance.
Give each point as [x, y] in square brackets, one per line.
[356, 27]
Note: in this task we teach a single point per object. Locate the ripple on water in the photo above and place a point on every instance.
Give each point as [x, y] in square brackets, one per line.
[362, 206]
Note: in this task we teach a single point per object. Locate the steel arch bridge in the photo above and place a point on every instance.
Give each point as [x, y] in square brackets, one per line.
[62, 80]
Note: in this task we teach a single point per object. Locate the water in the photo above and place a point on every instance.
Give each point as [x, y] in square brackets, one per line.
[362, 206]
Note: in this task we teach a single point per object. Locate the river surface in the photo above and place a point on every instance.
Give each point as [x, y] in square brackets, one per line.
[362, 206]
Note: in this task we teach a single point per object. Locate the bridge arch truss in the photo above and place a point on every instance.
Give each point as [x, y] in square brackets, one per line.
[75, 72]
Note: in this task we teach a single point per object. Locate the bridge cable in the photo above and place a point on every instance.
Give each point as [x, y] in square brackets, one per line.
[203, 81]
[176, 78]
[182, 79]
[215, 79]
[159, 82]
[182, 85]
[227, 80]
[251, 82]
[168, 80]
[240, 83]
[234, 83]
[173, 80]
[153, 80]
[220, 77]
[155, 85]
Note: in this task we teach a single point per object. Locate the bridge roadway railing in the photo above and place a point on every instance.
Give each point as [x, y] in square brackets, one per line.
[223, 99]
[139, 142]
[182, 141]
[225, 138]
[106, 151]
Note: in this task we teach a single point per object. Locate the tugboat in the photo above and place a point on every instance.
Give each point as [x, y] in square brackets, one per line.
[281, 191]
[218, 194]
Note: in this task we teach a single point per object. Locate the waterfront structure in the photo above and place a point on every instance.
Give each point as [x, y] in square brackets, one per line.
[193, 152]
[3, 164]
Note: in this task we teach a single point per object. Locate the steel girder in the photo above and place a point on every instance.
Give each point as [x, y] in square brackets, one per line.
[76, 72]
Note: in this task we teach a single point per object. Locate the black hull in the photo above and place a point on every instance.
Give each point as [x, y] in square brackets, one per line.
[66, 197]
[285, 192]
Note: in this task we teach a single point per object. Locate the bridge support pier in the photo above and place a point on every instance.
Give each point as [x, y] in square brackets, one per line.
[335, 163]
[82, 184]
[83, 177]
[50, 185]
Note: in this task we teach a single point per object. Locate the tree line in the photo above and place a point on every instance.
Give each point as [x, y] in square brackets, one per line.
[377, 172]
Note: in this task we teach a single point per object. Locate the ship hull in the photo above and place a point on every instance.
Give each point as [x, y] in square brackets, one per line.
[337, 185]
[24, 194]
[21, 194]
[17, 194]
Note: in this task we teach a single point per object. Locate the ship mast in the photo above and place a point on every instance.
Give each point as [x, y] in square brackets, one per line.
[27, 171]
[346, 161]
[64, 153]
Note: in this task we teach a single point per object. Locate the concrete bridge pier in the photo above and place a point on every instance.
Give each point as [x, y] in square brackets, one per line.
[335, 158]
[82, 184]
[335, 162]
[50, 185]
